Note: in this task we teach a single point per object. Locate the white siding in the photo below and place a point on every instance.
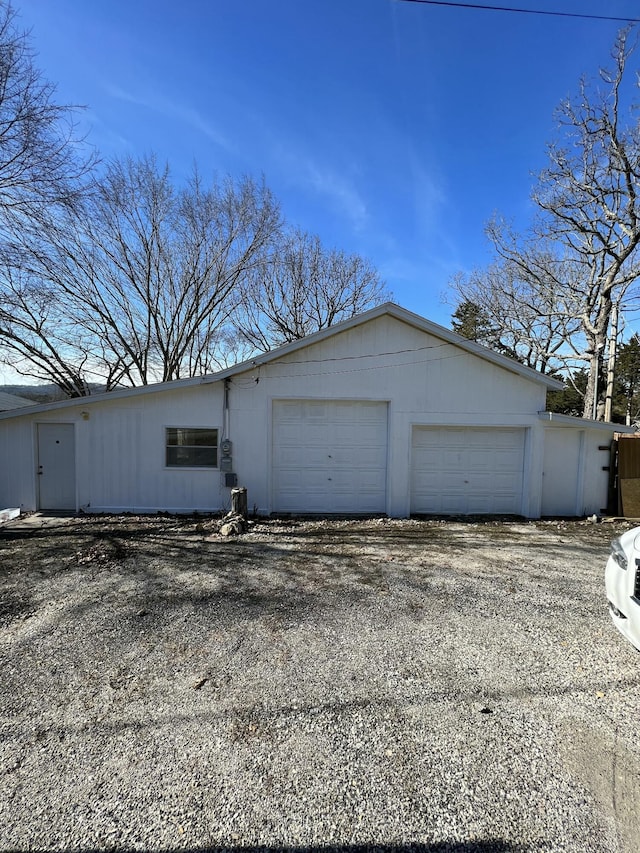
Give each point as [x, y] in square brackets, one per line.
[467, 470]
[426, 381]
[575, 475]
[116, 479]
[18, 464]
[120, 453]
[329, 456]
[126, 447]
[563, 451]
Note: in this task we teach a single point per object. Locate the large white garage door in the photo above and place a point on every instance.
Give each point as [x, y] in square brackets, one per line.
[329, 456]
[467, 470]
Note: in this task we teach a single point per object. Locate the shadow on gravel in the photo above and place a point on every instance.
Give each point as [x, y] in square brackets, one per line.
[147, 575]
[14, 606]
[490, 845]
[255, 721]
[146, 533]
[309, 565]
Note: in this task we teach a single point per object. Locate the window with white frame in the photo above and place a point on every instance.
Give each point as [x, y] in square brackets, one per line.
[191, 447]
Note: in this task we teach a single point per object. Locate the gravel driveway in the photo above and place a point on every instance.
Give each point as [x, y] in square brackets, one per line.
[405, 685]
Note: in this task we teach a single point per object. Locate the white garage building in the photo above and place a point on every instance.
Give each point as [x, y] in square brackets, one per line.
[384, 413]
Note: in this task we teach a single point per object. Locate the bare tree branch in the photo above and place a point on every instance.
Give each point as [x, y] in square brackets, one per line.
[303, 288]
[555, 289]
[148, 273]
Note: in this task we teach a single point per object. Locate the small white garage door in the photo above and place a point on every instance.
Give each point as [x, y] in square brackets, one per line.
[329, 456]
[467, 470]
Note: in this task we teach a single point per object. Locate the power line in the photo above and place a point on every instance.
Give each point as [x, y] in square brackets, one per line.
[285, 360]
[246, 385]
[485, 7]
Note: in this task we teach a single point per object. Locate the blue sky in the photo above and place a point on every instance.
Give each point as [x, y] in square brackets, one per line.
[391, 129]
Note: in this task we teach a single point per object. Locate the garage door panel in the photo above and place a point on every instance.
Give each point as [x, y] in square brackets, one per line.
[423, 458]
[369, 482]
[352, 433]
[506, 460]
[316, 435]
[329, 456]
[479, 461]
[506, 482]
[448, 504]
[503, 506]
[367, 457]
[451, 458]
[467, 470]
[477, 505]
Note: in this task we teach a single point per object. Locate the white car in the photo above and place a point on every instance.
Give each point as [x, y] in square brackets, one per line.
[622, 579]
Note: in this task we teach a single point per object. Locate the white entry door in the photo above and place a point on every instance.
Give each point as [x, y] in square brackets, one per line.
[56, 467]
[562, 450]
[329, 456]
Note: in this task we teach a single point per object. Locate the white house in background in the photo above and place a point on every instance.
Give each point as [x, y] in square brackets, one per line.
[384, 413]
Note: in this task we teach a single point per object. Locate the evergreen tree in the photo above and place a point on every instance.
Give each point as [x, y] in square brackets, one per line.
[470, 321]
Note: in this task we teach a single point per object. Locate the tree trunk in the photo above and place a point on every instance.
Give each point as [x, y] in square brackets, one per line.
[591, 391]
[613, 337]
[239, 502]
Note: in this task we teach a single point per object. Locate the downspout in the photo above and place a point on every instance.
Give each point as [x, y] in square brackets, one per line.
[225, 409]
[225, 461]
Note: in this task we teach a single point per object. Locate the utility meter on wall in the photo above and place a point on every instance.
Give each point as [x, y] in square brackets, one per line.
[225, 446]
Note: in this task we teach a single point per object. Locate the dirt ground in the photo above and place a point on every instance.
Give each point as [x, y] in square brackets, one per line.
[314, 683]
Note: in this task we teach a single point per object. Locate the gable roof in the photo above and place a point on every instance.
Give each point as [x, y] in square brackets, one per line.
[12, 401]
[387, 308]
[405, 316]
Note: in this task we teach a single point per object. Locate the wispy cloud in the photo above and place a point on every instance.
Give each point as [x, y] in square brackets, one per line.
[313, 174]
[400, 269]
[170, 109]
[338, 188]
[427, 185]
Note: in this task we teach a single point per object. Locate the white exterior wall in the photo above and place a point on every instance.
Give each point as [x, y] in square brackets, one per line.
[595, 488]
[120, 452]
[574, 479]
[17, 464]
[425, 381]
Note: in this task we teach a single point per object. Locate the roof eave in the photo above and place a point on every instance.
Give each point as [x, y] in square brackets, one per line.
[389, 308]
[583, 423]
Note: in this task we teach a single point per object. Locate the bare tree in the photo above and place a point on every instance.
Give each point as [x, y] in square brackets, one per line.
[40, 164]
[43, 169]
[588, 196]
[144, 276]
[303, 288]
[581, 256]
[37, 338]
[528, 294]
[524, 311]
[628, 378]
